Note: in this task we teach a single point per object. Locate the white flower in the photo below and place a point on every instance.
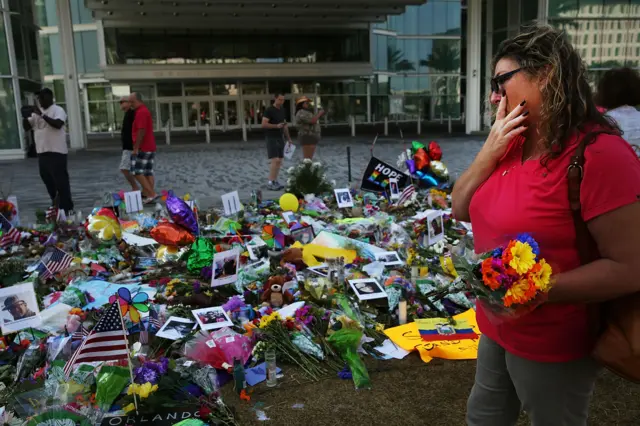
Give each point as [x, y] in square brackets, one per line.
[289, 182]
[307, 161]
[317, 164]
[333, 182]
[291, 169]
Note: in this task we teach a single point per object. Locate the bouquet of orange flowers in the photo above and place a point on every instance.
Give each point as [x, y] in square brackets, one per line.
[508, 281]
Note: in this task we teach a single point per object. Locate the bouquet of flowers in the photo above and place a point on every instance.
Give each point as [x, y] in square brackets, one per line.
[308, 178]
[508, 281]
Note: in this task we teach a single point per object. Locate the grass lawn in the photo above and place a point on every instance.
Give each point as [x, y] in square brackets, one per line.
[405, 392]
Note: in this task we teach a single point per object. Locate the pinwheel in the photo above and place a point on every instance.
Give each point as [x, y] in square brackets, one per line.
[273, 236]
[135, 305]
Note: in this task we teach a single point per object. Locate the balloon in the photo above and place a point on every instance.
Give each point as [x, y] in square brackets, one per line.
[411, 165]
[104, 228]
[106, 211]
[415, 146]
[427, 178]
[171, 234]
[435, 153]
[201, 255]
[422, 159]
[440, 170]
[182, 214]
[289, 202]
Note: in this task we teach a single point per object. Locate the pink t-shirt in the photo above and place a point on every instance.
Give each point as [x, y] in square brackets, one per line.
[529, 198]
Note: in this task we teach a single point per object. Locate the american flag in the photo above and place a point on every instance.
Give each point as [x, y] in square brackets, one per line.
[106, 342]
[53, 261]
[80, 333]
[406, 195]
[144, 335]
[154, 321]
[10, 235]
[51, 214]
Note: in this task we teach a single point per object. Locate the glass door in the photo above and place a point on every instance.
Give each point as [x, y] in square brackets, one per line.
[225, 115]
[254, 111]
[199, 113]
[171, 115]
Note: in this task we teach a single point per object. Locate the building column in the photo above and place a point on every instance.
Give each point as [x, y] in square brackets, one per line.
[473, 112]
[71, 85]
[488, 30]
[13, 69]
[543, 11]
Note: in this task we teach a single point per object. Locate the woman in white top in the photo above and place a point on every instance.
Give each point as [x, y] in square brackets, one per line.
[619, 94]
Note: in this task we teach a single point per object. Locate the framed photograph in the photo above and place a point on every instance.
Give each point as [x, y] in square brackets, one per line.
[289, 217]
[257, 251]
[435, 227]
[176, 328]
[304, 235]
[394, 190]
[367, 289]
[18, 308]
[212, 318]
[322, 270]
[389, 258]
[343, 197]
[225, 267]
[231, 203]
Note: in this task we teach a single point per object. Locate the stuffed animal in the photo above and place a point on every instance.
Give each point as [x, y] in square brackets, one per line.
[273, 295]
[294, 257]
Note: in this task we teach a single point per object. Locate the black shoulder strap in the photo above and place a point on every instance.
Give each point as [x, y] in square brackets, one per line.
[575, 172]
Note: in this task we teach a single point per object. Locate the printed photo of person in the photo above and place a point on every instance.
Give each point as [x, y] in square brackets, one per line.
[18, 308]
[212, 318]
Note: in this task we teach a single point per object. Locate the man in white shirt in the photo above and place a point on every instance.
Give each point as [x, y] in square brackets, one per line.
[47, 122]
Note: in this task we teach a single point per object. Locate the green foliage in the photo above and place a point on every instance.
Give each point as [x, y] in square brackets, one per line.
[308, 178]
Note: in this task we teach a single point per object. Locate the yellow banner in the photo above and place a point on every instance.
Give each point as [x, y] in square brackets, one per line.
[408, 338]
[314, 255]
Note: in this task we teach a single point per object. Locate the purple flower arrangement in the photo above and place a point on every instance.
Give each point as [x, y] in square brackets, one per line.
[151, 371]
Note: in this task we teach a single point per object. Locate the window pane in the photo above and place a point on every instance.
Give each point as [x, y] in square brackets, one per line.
[500, 8]
[563, 8]
[45, 11]
[87, 54]
[438, 18]
[79, 13]
[528, 10]
[439, 56]
[52, 56]
[224, 89]
[9, 134]
[98, 92]
[197, 88]
[5, 69]
[169, 89]
[18, 45]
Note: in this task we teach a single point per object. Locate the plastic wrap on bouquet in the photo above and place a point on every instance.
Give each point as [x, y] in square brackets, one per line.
[110, 382]
[346, 341]
[308, 346]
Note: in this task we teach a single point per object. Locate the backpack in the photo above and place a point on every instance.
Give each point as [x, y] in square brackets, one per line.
[616, 322]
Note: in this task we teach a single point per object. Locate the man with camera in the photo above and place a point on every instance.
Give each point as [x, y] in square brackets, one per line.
[47, 121]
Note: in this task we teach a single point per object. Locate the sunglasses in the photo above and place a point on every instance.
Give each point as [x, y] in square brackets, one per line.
[498, 81]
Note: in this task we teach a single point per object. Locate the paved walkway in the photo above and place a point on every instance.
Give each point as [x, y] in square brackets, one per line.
[207, 171]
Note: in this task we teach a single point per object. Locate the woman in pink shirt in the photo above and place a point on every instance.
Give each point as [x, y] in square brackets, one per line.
[518, 183]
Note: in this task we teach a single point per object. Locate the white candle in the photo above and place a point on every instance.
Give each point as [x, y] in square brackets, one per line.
[402, 312]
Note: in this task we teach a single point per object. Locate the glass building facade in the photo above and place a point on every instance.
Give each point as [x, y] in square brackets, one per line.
[423, 63]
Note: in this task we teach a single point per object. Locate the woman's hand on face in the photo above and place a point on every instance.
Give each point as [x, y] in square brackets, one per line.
[504, 129]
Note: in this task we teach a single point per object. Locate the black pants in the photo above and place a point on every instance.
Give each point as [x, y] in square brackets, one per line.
[54, 174]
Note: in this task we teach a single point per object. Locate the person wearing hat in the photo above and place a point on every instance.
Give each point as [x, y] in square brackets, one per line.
[47, 122]
[17, 308]
[308, 126]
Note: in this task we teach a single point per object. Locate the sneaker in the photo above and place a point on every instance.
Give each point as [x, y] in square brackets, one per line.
[274, 186]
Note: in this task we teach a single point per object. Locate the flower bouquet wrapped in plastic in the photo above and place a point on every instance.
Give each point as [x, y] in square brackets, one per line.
[509, 281]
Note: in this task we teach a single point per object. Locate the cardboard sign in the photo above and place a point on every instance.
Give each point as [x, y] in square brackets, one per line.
[133, 201]
[159, 418]
[377, 176]
[231, 203]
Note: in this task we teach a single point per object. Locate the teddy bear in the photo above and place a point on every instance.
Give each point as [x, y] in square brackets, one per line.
[293, 256]
[273, 294]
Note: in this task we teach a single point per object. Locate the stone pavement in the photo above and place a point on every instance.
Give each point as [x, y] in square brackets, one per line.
[207, 171]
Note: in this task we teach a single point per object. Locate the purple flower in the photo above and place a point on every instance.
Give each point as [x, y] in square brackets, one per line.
[145, 374]
[196, 287]
[526, 238]
[234, 303]
[206, 272]
[497, 252]
[345, 374]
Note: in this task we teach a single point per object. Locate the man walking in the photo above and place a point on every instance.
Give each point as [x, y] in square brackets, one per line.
[144, 148]
[47, 121]
[275, 124]
[127, 142]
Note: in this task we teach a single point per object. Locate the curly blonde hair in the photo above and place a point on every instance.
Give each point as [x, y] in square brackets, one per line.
[567, 100]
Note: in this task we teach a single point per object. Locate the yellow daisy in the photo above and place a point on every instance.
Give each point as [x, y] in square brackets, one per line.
[541, 276]
[523, 257]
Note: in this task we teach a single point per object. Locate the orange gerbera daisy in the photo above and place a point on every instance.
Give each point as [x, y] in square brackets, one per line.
[489, 275]
[507, 256]
[521, 292]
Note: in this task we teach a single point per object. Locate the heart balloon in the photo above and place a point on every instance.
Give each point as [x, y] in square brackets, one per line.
[421, 159]
[415, 146]
[435, 152]
[181, 213]
[440, 170]
[170, 234]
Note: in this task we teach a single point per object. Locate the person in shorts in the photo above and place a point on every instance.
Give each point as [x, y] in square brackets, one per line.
[144, 148]
[127, 142]
[275, 124]
[308, 126]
